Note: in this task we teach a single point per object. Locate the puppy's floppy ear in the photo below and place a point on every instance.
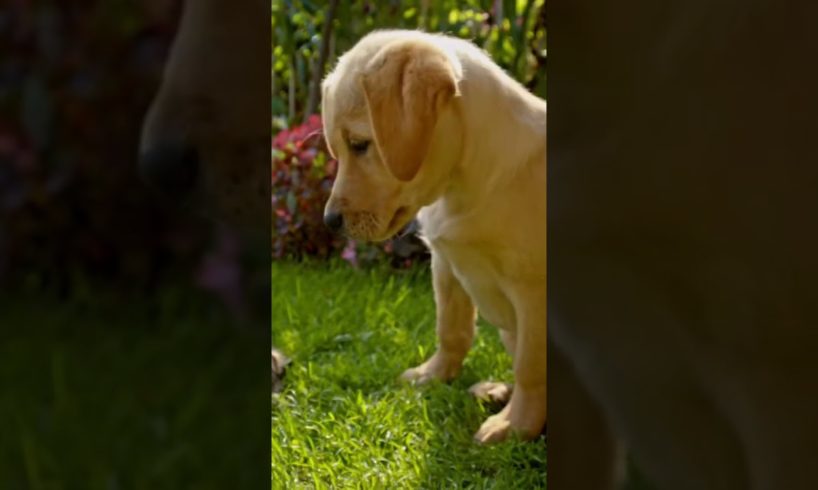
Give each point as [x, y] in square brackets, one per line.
[326, 116]
[406, 86]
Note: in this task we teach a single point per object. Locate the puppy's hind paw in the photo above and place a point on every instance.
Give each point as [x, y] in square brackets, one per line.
[492, 392]
[438, 367]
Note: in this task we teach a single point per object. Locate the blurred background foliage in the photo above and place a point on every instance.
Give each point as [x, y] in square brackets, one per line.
[511, 31]
[308, 36]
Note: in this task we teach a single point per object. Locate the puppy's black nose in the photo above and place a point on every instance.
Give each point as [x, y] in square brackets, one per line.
[171, 168]
[334, 221]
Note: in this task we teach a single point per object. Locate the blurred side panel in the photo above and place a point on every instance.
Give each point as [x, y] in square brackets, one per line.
[683, 224]
[134, 322]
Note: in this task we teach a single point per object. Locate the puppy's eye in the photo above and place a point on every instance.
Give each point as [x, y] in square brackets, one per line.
[358, 147]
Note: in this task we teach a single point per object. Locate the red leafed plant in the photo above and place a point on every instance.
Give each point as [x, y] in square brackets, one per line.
[302, 175]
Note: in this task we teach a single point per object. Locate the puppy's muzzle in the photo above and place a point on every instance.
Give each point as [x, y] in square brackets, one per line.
[171, 168]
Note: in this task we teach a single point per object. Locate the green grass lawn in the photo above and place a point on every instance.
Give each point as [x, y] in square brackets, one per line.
[344, 421]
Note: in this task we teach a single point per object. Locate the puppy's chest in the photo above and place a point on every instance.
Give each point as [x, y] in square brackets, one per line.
[481, 276]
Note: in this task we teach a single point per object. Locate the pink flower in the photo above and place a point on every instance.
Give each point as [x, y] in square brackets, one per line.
[350, 254]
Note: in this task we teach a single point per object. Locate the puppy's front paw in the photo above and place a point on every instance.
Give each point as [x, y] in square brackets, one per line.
[524, 415]
[496, 428]
[439, 367]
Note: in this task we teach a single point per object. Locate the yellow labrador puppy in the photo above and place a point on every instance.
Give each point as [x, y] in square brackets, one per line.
[428, 125]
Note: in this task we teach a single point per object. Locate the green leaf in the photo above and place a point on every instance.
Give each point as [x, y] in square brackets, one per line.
[320, 160]
[453, 16]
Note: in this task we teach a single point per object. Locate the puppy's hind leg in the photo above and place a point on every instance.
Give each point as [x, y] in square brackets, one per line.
[456, 315]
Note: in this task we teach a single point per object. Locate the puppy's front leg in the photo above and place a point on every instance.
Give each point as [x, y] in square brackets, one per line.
[456, 315]
[525, 413]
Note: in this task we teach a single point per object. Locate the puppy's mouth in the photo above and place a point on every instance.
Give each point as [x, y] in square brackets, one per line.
[366, 226]
[399, 219]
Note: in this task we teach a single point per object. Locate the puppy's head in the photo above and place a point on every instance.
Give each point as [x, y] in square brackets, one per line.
[205, 140]
[391, 120]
